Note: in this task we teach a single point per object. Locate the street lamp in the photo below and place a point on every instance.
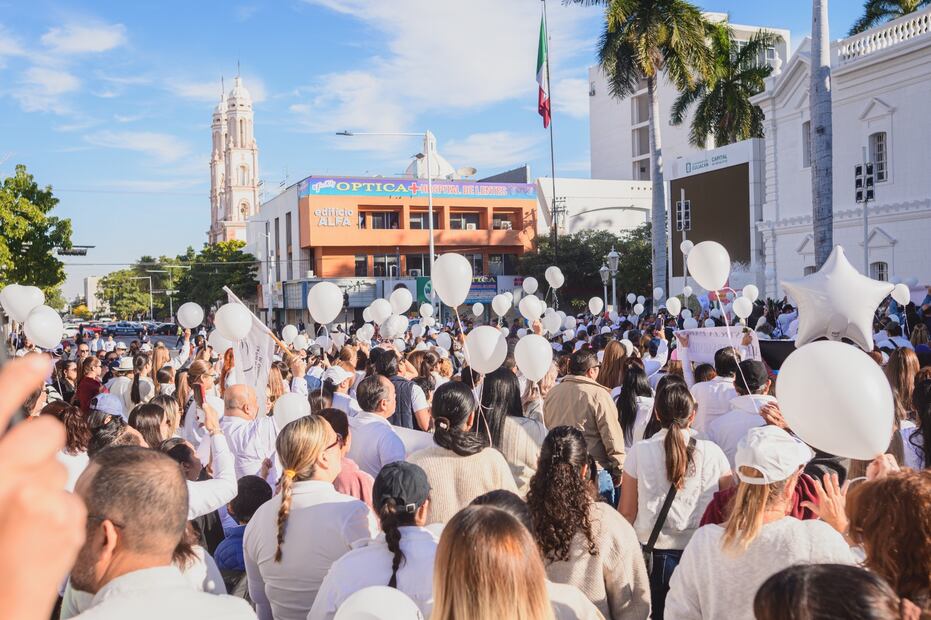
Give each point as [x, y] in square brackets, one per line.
[151, 304]
[604, 272]
[170, 291]
[613, 258]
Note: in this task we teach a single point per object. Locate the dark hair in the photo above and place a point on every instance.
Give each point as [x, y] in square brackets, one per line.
[725, 362]
[704, 372]
[469, 377]
[385, 363]
[559, 498]
[338, 420]
[453, 403]
[426, 383]
[319, 400]
[674, 407]
[75, 422]
[635, 384]
[920, 438]
[139, 363]
[826, 592]
[667, 380]
[147, 419]
[509, 502]
[371, 391]
[178, 449]
[428, 364]
[252, 492]
[164, 374]
[110, 432]
[581, 361]
[392, 519]
[500, 398]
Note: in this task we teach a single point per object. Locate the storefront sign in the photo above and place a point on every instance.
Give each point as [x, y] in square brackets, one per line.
[334, 217]
[483, 290]
[347, 186]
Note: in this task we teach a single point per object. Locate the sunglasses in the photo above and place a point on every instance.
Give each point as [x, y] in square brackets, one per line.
[338, 442]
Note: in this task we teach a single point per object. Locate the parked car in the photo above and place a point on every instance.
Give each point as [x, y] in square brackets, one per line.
[71, 330]
[92, 328]
[124, 328]
[166, 329]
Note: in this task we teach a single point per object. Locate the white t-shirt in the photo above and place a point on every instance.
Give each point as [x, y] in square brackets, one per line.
[75, 464]
[374, 442]
[727, 430]
[644, 411]
[418, 398]
[713, 399]
[646, 461]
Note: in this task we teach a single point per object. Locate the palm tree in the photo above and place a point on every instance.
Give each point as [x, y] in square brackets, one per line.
[641, 40]
[876, 12]
[822, 134]
[722, 103]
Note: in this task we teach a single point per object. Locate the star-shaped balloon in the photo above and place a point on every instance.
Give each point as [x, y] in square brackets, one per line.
[837, 302]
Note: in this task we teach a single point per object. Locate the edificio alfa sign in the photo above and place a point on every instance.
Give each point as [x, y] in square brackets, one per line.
[334, 217]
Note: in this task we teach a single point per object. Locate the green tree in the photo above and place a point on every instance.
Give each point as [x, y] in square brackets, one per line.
[642, 40]
[215, 266]
[877, 12]
[165, 271]
[722, 102]
[29, 235]
[124, 293]
[82, 312]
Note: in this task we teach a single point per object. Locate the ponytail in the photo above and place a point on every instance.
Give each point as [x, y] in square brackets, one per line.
[634, 384]
[674, 407]
[287, 485]
[391, 521]
[453, 403]
[678, 456]
[746, 511]
[139, 363]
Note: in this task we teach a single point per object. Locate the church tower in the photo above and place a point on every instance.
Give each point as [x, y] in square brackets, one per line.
[234, 166]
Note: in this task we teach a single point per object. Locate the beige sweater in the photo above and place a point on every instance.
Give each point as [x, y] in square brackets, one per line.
[615, 579]
[521, 439]
[457, 480]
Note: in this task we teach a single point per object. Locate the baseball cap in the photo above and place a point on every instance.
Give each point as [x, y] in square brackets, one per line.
[125, 365]
[146, 347]
[403, 482]
[336, 374]
[108, 403]
[120, 345]
[752, 375]
[772, 452]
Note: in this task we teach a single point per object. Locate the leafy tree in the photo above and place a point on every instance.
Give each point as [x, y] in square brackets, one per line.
[223, 263]
[82, 312]
[166, 273]
[722, 102]
[876, 12]
[123, 291]
[29, 235]
[642, 40]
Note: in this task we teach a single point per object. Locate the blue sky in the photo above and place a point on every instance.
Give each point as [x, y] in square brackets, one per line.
[110, 102]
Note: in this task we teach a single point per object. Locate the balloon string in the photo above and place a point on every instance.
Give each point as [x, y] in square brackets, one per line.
[323, 352]
[730, 339]
[481, 384]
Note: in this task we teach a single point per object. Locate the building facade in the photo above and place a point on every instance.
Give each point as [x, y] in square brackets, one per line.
[593, 204]
[234, 166]
[95, 303]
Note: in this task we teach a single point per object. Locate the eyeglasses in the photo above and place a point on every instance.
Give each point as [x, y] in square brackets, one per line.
[338, 442]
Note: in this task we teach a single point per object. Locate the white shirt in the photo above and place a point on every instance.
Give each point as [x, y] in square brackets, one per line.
[727, 430]
[644, 411]
[713, 583]
[713, 399]
[346, 403]
[569, 603]
[299, 385]
[374, 443]
[109, 346]
[370, 565]
[418, 398]
[75, 464]
[323, 525]
[646, 461]
[96, 344]
[784, 320]
[250, 442]
[159, 593]
[913, 457]
[122, 387]
[205, 496]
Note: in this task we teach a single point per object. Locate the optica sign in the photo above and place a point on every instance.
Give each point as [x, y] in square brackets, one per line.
[349, 186]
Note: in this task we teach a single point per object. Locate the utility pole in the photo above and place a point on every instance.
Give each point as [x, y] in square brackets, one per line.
[683, 225]
[559, 207]
[863, 183]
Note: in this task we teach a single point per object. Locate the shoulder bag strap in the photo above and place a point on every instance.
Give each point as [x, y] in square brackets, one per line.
[664, 511]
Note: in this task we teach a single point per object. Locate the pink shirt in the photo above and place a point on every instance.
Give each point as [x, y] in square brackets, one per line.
[353, 481]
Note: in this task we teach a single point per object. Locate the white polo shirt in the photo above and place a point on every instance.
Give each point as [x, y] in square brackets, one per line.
[713, 399]
[374, 442]
[346, 403]
[250, 441]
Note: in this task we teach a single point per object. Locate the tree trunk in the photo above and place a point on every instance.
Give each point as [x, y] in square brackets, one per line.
[819, 102]
[660, 258]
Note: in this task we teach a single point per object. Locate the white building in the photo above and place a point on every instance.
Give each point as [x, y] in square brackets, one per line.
[881, 86]
[619, 128]
[592, 204]
[94, 301]
[234, 166]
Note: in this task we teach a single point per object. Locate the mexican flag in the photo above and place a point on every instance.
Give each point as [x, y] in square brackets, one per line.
[543, 99]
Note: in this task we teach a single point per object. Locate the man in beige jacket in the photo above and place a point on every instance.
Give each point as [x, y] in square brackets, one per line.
[580, 401]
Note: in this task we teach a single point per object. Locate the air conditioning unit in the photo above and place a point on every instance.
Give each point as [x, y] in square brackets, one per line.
[470, 227]
[414, 273]
[310, 274]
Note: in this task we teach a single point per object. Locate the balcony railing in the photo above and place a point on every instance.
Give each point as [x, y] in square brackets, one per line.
[898, 31]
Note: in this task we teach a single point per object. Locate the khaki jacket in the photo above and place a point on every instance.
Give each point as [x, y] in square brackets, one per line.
[587, 405]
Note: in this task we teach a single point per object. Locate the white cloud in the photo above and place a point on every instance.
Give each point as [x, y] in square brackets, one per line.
[9, 45]
[164, 148]
[570, 97]
[209, 90]
[84, 38]
[494, 149]
[41, 89]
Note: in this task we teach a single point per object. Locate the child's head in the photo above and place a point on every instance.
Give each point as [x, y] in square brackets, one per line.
[252, 493]
[704, 372]
[166, 374]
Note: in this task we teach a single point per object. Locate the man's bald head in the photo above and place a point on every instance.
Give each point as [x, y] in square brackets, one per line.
[240, 397]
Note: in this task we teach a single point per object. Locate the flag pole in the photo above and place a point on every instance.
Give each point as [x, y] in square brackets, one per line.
[549, 85]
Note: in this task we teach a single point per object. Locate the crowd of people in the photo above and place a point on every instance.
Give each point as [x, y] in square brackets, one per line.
[143, 481]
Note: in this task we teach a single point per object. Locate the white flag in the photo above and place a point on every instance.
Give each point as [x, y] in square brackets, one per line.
[253, 356]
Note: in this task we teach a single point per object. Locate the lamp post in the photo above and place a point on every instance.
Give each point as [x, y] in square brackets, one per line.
[170, 291]
[604, 272]
[613, 258]
[151, 303]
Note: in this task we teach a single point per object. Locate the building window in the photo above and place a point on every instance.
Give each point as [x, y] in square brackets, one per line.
[384, 220]
[502, 221]
[287, 241]
[879, 155]
[418, 264]
[806, 144]
[385, 266]
[810, 270]
[463, 221]
[477, 266]
[277, 246]
[502, 264]
[243, 175]
[879, 270]
[420, 220]
[242, 132]
[642, 170]
[362, 267]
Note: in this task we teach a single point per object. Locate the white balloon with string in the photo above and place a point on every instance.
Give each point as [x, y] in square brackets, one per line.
[554, 276]
[641, 299]
[751, 292]
[552, 323]
[570, 322]
[686, 314]
[687, 291]
[339, 339]
[631, 298]
[595, 305]
[324, 301]
[673, 306]
[485, 349]
[638, 309]
[534, 356]
[367, 314]
[478, 309]
[300, 342]
[288, 334]
[500, 304]
[530, 285]
[710, 265]
[416, 330]
[690, 323]
[709, 323]
[443, 340]
[401, 300]
[742, 307]
[426, 310]
[220, 344]
[530, 308]
[452, 278]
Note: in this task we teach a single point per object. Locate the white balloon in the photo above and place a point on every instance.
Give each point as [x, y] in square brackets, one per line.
[596, 305]
[367, 314]
[428, 321]
[901, 294]
[674, 306]
[233, 321]
[18, 301]
[641, 299]
[190, 315]
[394, 326]
[614, 316]
[452, 277]
[324, 300]
[426, 310]
[686, 246]
[288, 334]
[485, 349]
[380, 310]
[552, 323]
[715, 313]
[478, 309]
[378, 603]
[687, 291]
[534, 356]
[521, 332]
[220, 344]
[658, 293]
[443, 340]
[743, 307]
[400, 345]
[570, 322]
[554, 276]
[300, 342]
[417, 330]
[530, 307]
[710, 265]
[324, 342]
[365, 332]
[689, 323]
[505, 331]
[751, 292]
[44, 327]
[631, 298]
[837, 399]
[401, 300]
[339, 339]
[686, 313]
[290, 407]
[530, 285]
[500, 304]
[638, 309]
[510, 296]
[709, 323]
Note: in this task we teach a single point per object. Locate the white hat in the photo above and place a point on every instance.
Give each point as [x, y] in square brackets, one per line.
[336, 374]
[120, 345]
[772, 452]
[126, 364]
[146, 347]
[628, 346]
[108, 403]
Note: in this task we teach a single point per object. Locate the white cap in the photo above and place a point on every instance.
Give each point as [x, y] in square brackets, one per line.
[120, 345]
[108, 403]
[336, 374]
[126, 364]
[146, 347]
[772, 452]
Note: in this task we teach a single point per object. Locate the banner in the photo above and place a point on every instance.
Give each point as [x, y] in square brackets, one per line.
[253, 356]
[442, 188]
[704, 342]
[483, 290]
